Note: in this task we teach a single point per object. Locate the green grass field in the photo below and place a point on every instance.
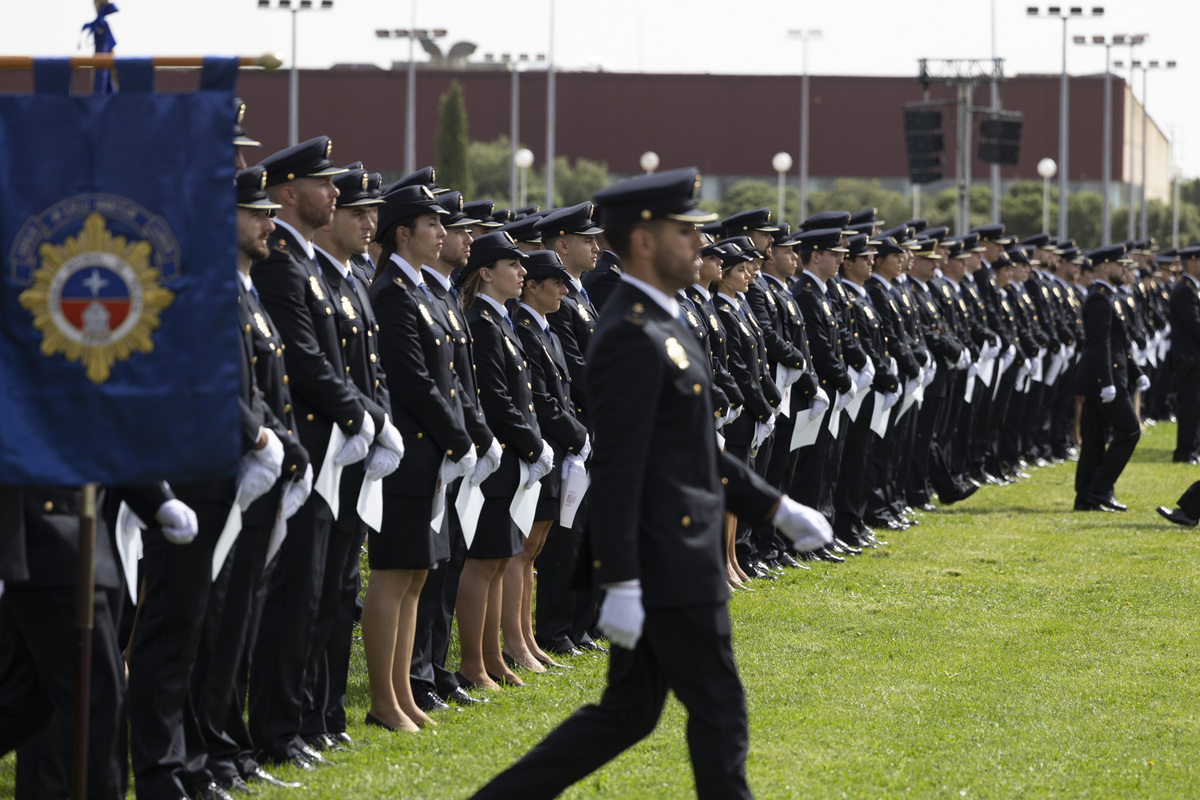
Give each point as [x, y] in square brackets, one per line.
[1006, 647]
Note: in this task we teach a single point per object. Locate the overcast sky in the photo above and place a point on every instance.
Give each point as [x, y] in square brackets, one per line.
[865, 37]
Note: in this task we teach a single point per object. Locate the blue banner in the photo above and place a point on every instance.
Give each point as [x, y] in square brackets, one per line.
[118, 301]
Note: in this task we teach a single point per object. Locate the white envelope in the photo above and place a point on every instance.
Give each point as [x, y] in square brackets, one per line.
[129, 546]
[278, 534]
[879, 416]
[329, 478]
[229, 534]
[857, 402]
[970, 390]
[835, 420]
[468, 505]
[806, 430]
[524, 502]
[370, 503]
[571, 495]
[438, 512]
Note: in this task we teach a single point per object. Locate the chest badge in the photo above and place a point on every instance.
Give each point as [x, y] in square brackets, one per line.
[676, 353]
[315, 285]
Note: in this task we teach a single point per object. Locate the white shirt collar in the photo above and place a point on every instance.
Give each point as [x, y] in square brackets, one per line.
[917, 280]
[541, 321]
[247, 284]
[1189, 277]
[1103, 283]
[657, 295]
[344, 267]
[578, 284]
[496, 304]
[771, 277]
[305, 243]
[407, 269]
[855, 287]
[702, 290]
[429, 272]
[821, 283]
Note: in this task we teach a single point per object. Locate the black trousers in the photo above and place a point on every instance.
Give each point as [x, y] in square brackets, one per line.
[928, 414]
[1189, 501]
[817, 467]
[554, 612]
[1187, 414]
[37, 693]
[1100, 466]
[850, 492]
[219, 679]
[280, 652]
[166, 745]
[329, 648]
[684, 650]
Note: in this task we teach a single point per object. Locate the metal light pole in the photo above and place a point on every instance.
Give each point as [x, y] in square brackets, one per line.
[805, 36]
[515, 67]
[1132, 41]
[294, 75]
[1046, 168]
[1176, 175]
[413, 34]
[994, 169]
[550, 112]
[1055, 12]
[1145, 126]
[781, 162]
[1106, 169]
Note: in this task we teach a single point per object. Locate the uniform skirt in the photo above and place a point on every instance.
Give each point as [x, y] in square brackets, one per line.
[497, 535]
[407, 539]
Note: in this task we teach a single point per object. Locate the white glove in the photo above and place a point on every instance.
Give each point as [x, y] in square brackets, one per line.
[572, 463]
[1143, 383]
[866, 376]
[805, 526]
[820, 405]
[296, 493]
[911, 385]
[542, 467]
[930, 373]
[964, 358]
[383, 462]
[1006, 360]
[621, 614]
[972, 370]
[178, 521]
[1108, 394]
[390, 437]
[843, 400]
[255, 480]
[890, 399]
[453, 470]
[489, 463]
[761, 431]
[734, 413]
[271, 455]
[586, 450]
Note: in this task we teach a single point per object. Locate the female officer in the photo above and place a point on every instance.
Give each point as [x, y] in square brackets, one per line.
[545, 286]
[493, 275]
[417, 355]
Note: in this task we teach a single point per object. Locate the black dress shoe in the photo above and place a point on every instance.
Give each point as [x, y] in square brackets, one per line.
[564, 651]
[460, 697]
[299, 762]
[212, 792]
[927, 506]
[789, 562]
[375, 721]
[1090, 505]
[826, 555]
[427, 700]
[1177, 516]
[592, 646]
[315, 757]
[1111, 503]
[260, 775]
[341, 738]
[847, 548]
[962, 494]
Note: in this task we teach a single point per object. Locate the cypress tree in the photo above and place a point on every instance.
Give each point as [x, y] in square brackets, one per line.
[453, 163]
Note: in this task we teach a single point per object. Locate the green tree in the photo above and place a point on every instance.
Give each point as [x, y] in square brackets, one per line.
[749, 193]
[490, 170]
[576, 184]
[453, 153]
[944, 208]
[851, 194]
[1021, 208]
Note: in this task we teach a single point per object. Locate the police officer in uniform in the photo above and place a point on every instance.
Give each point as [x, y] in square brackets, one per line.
[657, 499]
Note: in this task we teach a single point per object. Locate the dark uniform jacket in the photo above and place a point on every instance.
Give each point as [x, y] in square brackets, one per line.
[715, 336]
[1185, 325]
[506, 394]
[891, 325]
[1104, 360]
[659, 486]
[573, 324]
[292, 288]
[417, 352]
[747, 365]
[824, 335]
[551, 387]
[871, 338]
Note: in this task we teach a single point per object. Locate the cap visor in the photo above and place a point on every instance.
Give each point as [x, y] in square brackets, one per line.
[265, 204]
[696, 215]
[326, 172]
[245, 141]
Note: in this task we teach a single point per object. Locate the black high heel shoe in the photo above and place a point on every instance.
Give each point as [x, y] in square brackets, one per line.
[378, 723]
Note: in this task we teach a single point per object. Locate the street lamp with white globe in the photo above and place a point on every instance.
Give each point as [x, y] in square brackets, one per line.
[781, 162]
[1047, 169]
[523, 158]
[649, 162]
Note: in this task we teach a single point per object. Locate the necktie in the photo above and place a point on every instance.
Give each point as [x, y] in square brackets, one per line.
[508, 319]
[583, 292]
[350, 280]
[549, 335]
[426, 292]
[254, 291]
[454, 294]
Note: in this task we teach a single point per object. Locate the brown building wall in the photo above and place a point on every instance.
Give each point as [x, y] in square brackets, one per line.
[725, 124]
